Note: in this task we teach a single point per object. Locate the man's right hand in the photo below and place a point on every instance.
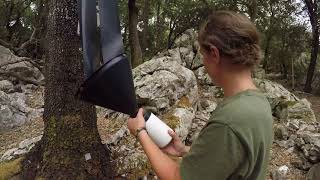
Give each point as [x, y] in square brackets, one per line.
[175, 147]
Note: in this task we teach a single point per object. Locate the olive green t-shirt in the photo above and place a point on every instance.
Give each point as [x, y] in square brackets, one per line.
[235, 142]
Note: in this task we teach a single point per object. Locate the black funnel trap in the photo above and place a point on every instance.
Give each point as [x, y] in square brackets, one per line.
[111, 84]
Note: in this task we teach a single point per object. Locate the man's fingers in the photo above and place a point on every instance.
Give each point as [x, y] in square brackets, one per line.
[140, 113]
[173, 134]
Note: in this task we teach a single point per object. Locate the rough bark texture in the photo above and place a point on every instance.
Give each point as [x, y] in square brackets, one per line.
[70, 125]
[313, 15]
[146, 12]
[253, 10]
[136, 53]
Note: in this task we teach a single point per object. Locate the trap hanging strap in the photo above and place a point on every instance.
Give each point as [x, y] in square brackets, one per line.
[88, 31]
[111, 39]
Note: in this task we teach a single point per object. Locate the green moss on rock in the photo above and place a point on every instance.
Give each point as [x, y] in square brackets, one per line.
[184, 102]
[10, 169]
[171, 120]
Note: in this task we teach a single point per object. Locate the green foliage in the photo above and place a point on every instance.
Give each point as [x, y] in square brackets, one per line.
[16, 20]
[285, 34]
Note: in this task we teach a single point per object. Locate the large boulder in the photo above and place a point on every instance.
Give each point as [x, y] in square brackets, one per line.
[171, 92]
[185, 51]
[161, 83]
[285, 105]
[6, 56]
[275, 92]
[12, 111]
[19, 66]
[18, 108]
[300, 110]
[188, 39]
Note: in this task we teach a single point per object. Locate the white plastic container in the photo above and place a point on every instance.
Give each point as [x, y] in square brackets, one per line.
[157, 130]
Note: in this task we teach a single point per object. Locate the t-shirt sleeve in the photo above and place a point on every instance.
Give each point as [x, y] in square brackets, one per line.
[216, 154]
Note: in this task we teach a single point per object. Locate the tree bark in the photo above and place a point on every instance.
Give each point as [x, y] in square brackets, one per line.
[158, 24]
[146, 12]
[171, 29]
[136, 53]
[253, 10]
[71, 147]
[313, 62]
[266, 51]
[313, 15]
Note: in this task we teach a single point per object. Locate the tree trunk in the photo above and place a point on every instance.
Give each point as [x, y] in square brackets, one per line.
[158, 28]
[266, 52]
[171, 29]
[253, 10]
[146, 12]
[136, 53]
[312, 7]
[313, 61]
[71, 147]
[284, 71]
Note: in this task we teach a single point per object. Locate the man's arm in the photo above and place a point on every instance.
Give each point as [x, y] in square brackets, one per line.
[165, 168]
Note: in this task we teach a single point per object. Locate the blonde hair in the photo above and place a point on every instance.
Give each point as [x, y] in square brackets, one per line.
[234, 35]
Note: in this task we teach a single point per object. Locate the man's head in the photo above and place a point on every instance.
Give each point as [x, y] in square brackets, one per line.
[229, 42]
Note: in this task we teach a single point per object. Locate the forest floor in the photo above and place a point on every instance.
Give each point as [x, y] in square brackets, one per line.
[12, 138]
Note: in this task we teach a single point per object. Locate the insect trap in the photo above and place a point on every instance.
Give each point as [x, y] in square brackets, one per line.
[107, 69]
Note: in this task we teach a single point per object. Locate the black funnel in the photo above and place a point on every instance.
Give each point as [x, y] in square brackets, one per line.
[111, 85]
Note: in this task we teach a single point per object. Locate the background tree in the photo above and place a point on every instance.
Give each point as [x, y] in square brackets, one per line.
[22, 26]
[313, 12]
[145, 31]
[71, 147]
[136, 52]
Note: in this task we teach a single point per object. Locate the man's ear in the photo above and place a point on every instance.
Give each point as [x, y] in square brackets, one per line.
[215, 54]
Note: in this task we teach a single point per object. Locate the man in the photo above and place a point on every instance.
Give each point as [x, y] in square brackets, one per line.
[235, 142]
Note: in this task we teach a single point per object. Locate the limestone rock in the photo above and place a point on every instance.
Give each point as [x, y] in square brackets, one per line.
[12, 112]
[25, 144]
[259, 73]
[18, 108]
[24, 147]
[180, 120]
[11, 63]
[160, 83]
[8, 155]
[130, 159]
[6, 86]
[6, 56]
[314, 172]
[300, 109]
[281, 132]
[284, 104]
[187, 39]
[275, 92]
[203, 77]
[280, 173]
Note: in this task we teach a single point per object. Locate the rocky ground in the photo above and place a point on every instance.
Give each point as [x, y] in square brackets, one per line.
[174, 86]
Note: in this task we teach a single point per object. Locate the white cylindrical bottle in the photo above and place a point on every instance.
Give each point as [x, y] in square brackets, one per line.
[157, 130]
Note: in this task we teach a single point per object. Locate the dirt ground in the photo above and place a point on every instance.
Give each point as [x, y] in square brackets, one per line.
[11, 138]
